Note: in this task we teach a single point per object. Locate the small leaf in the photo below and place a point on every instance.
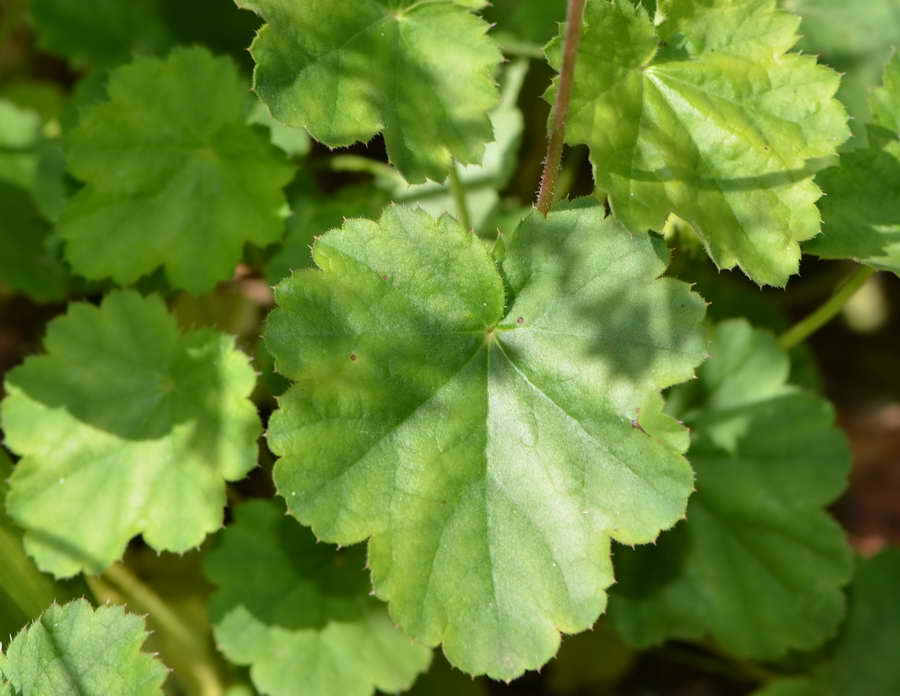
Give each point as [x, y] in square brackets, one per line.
[139, 439]
[861, 212]
[706, 115]
[758, 565]
[74, 650]
[485, 444]
[380, 65]
[174, 176]
[300, 614]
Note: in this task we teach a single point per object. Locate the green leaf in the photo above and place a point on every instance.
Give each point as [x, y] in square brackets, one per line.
[758, 566]
[864, 658]
[74, 650]
[100, 33]
[380, 65]
[707, 116]
[24, 591]
[294, 142]
[861, 212]
[174, 176]
[139, 439]
[855, 39]
[481, 182]
[314, 214]
[484, 444]
[29, 255]
[301, 614]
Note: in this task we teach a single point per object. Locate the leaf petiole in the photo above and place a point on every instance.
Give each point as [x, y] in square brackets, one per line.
[557, 136]
[829, 310]
[459, 197]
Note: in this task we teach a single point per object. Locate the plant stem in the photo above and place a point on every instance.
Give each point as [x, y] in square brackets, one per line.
[193, 643]
[459, 195]
[557, 136]
[830, 309]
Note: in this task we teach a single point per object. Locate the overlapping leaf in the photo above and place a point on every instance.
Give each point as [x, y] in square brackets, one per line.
[707, 115]
[347, 71]
[861, 212]
[300, 614]
[486, 443]
[74, 650]
[125, 427]
[174, 176]
[758, 566]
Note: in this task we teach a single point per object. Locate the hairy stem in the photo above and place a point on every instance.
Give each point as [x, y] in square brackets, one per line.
[459, 196]
[828, 311]
[557, 135]
[192, 643]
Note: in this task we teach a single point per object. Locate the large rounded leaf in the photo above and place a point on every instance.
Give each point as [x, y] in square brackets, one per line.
[488, 443]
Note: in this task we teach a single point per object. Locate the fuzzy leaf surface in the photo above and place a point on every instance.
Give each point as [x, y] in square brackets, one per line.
[300, 614]
[861, 212]
[75, 650]
[381, 65]
[484, 443]
[758, 565]
[174, 176]
[707, 115]
[125, 427]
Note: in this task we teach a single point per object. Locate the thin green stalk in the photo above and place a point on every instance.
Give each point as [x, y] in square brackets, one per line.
[828, 311]
[194, 643]
[557, 136]
[459, 196]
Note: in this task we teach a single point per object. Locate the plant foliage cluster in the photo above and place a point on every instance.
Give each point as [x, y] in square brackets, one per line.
[459, 420]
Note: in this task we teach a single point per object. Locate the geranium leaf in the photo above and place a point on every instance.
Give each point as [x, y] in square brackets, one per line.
[139, 439]
[174, 175]
[707, 115]
[380, 65]
[861, 212]
[300, 614]
[759, 565]
[486, 444]
[74, 650]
